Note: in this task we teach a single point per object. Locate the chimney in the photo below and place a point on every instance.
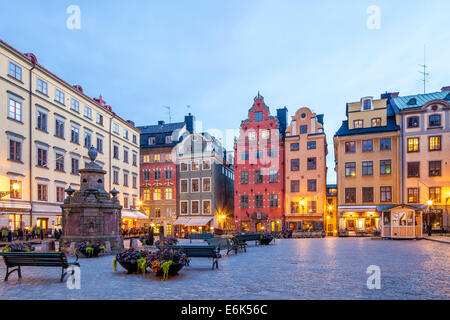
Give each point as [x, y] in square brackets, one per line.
[160, 122]
[282, 119]
[445, 88]
[131, 122]
[189, 121]
[388, 95]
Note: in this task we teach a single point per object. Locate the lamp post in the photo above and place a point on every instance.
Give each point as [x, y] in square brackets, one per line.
[429, 204]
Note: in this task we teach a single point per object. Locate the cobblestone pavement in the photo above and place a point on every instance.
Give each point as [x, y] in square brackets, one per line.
[331, 268]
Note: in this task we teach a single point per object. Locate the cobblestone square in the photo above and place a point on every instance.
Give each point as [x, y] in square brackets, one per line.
[331, 268]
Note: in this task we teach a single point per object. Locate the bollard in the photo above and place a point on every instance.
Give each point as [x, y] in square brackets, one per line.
[108, 246]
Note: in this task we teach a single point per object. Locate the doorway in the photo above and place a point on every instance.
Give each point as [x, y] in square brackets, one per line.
[42, 223]
[351, 225]
[259, 226]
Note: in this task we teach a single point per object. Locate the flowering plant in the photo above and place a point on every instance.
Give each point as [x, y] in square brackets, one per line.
[18, 247]
[132, 260]
[90, 249]
[167, 261]
[167, 241]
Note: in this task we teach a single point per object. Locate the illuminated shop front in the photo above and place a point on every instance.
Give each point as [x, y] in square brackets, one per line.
[402, 222]
[358, 220]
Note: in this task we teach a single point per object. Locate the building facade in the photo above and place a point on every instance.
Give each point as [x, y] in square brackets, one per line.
[48, 126]
[331, 211]
[205, 185]
[306, 172]
[425, 145]
[368, 165]
[259, 169]
[159, 172]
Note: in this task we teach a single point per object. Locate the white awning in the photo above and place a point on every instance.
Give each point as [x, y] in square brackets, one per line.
[198, 221]
[181, 221]
[133, 214]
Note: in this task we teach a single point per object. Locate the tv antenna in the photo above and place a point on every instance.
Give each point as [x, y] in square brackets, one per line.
[170, 114]
[424, 72]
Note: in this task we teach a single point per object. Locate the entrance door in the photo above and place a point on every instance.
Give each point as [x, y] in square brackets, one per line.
[351, 225]
[293, 226]
[42, 223]
[258, 227]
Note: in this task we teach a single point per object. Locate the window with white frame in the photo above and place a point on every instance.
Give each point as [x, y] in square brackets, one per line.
[116, 128]
[41, 120]
[99, 144]
[125, 133]
[184, 205]
[15, 71]
[183, 167]
[206, 184]
[75, 105]
[87, 139]
[195, 185]
[195, 166]
[206, 207]
[15, 108]
[88, 112]
[42, 86]
[184, 185]
[59, 96]
[100, 119]
[206, 164]
[367, 104]
[195, 208]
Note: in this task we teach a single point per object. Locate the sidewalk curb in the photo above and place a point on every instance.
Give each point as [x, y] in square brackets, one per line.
[435, 240]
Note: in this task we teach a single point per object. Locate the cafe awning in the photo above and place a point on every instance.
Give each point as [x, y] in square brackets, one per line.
[181, 221]
[133, 215]
[198, 221]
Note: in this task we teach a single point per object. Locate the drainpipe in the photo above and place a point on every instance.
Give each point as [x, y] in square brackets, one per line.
[31, 144]
[402, 157]
[110, 145]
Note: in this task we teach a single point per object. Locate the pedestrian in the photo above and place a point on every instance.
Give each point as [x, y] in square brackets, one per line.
[9, 236]
[151, 236]
[20, 233]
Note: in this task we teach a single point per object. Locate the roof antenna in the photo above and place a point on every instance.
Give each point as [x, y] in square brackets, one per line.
[170, 115]
[188, 107]
[424, 72]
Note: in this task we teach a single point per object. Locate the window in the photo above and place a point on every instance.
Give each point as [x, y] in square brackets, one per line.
[251, 135]
[434, 120]
[258, 116]
[42, 120]
[168, 195]
[42, 192]
[295, 164]
[116, 151]
[59, 128]
[206, 165]
[146, 175]
[295, 185]
[413, 144]
[303, 129]
[195, 166]
[265, 134]
[259, 178]
[358, 124]
[75, 134]
[134, 181]
[195, 207]
[183, 207]
[244, 177]
[413, 122]
[125, 133]
[183, 166]
[87, 139]
[312, 163]
[75, 166]
[115, 176]
[134, 138]
[100, 145]
[367, 194]
[42, 158]
[195, 185]
[434, 168]
[311, 145]
[168, 174]
[413, 195]
[385, 194]
[206, 206]
[15, 189]
[350, 147]
[125, 155]
[206, 184]
[273, 200]
[295, 207]
[367, 104]
[385, 144]
[99, 119]
[168, 139]
[244, 203]
[15, 109]
[259, 201]
[59, 96]
[157, 175]
[435, 194]
[312, 206]
[367, 145]
[312, 185]
[434, 143]
[146, 194]
[15, 150]
[157, 194]
[273, 153]
[116, 128]
[59, 194]
[295, 146]
[273, 176]
[413, 169]
[135, 159]
[15, 71]
[385, 167]
[244, 155]
[59, 162]
[350, 169]
[367, 168]
[376, 122]
[350, 195]
[125, 179]
[259, 154]
[87, 112]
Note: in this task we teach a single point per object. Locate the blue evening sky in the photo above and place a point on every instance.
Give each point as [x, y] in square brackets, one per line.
[215, 55]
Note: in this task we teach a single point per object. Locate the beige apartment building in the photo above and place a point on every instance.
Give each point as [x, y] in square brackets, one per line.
[47, 127]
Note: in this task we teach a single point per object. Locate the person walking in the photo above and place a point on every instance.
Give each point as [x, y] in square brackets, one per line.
[9, 236]
[151, 236]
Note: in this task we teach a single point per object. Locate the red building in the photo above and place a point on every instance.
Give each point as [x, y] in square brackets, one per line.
[259, 170]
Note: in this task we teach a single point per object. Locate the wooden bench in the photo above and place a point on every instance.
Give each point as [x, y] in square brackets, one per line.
[36, 259]
[198, 251]
[249, 237]
[200, 236]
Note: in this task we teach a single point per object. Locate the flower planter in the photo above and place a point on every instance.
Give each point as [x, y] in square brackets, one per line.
[131, 267]
[173, 270]
[94, 253]
[18, 247]
[90, 249]
[128, 259]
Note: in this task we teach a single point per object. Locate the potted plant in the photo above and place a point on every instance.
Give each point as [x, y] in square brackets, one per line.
[132, 260]
[167, 262]
[18, 247]
[166, 241]
[90, 249]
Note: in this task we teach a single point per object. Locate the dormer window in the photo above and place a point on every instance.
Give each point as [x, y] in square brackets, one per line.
[151, 140]
[358, 124]
[168, 139]
[367, 104]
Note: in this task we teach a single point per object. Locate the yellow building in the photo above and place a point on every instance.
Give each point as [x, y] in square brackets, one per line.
[306, 172]
[367, 165]
[425, 121]
[47, 127]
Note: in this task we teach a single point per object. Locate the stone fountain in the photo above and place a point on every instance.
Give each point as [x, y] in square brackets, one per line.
[91, 213]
